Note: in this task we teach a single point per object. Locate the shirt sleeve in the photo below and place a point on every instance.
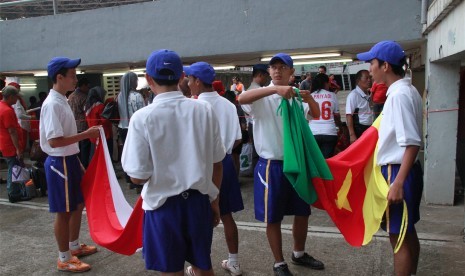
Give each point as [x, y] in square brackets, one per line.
[219, 152]
[51, 115]
[406, 128]
[136, 158]
[350, 104]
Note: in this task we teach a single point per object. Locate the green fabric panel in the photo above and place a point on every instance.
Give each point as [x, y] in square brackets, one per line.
[303, 159]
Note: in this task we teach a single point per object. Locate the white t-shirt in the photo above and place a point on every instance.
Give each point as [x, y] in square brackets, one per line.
[329, 105]
[173, 142]
[358, 99]
[401, 122]
[57, 120]
[226, 113]
[268, 126]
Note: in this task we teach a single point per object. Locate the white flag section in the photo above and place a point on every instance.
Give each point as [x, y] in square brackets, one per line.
[113, 223]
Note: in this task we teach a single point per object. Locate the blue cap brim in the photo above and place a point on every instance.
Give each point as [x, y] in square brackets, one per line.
[367, 56]
[72, 63]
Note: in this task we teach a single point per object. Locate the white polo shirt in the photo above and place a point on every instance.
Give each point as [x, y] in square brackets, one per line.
[226, 113]
[173, 142]
[401, 122]
[268, 126]
[329, 105]
[358, 99]
[57, 120]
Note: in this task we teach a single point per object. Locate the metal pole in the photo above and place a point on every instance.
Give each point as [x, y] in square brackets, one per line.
[19, 2]
[55, 7]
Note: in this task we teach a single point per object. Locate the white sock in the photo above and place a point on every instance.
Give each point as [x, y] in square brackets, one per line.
[279, 264]
[64, 256]
[232, 259]
[298, 254]
[74, 245]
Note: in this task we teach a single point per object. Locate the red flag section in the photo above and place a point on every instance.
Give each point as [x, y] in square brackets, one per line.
[357, 197]
[113, 223]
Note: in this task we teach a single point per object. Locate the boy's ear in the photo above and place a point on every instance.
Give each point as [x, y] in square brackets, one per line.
[292, 71]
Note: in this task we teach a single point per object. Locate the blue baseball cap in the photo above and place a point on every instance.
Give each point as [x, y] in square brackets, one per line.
[57, 63]
[201, 70]
[284, 58]
[387, 50]
[164, 65]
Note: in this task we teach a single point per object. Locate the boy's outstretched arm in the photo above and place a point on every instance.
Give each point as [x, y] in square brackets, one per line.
[252, 95]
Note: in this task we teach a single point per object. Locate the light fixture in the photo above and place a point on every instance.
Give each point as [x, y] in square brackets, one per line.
[224, 67]
[41, 74]
[322, 61]
[322, 55]
[137, 72]
[28, 85]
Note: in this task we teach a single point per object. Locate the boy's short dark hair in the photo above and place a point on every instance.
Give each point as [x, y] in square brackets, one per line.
[323, 67]
[318, 82]
[359, 75]
[398, 70]
[63, 71]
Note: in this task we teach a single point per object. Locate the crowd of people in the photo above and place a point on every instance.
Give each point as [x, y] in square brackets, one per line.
[181, 148]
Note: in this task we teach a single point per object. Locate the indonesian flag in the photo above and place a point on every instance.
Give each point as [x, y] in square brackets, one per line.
[113, 223]
[357, 197]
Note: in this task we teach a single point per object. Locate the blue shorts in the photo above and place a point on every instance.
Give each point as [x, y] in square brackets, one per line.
[413, 189]
[274, 196]
[230, 192]
[180, 230]
[63, 176]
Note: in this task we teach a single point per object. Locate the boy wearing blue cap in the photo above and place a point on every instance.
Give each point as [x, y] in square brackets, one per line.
[180, 199]
[274, 196]
[398, 146]
[59, 139]
[201, 76]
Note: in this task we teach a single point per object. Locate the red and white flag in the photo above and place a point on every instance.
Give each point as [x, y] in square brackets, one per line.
[113, 223]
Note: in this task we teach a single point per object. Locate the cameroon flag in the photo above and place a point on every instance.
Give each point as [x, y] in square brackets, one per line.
[357, 197]
[349, 186]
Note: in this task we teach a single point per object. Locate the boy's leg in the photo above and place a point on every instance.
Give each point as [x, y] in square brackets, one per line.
[200, 272]
[62, 221]
[406, 259]
[75, 223]
[273, 233]
[299, 232]
[230, 233]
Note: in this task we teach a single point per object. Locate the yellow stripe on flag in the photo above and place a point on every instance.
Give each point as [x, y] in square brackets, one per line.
[375, 202]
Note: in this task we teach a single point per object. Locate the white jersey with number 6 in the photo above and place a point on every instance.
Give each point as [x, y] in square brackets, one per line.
[324, 125]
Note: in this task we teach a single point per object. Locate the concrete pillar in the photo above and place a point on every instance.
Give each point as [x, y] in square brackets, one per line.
[441, 131]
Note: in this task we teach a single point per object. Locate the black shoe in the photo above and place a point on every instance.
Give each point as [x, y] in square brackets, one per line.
[131, 186]
[282, 270]
[2, 181]
[308, 261]
[138, 189]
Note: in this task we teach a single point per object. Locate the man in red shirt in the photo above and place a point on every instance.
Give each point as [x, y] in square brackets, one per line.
[378, 95]
[9, 138]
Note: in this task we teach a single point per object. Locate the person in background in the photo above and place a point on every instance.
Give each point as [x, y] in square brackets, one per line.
[324, 127]
[94, 107]
[218, 87]
[306, 84]
[237, 86]
[333, 86]
[322, 69]
[378, 95]
[129, 101]
[10, 140]
[359, 116]
[201, 76]
[77, 100]
[23, 117]
[292, 81]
